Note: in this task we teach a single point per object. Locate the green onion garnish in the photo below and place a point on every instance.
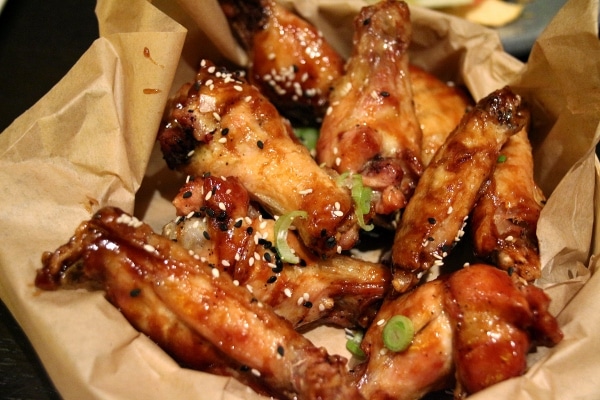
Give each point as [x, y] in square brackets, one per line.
[282, 225]
[398, 333]
[308, 136]
[362, 201]
[353, 344]
[501, 158]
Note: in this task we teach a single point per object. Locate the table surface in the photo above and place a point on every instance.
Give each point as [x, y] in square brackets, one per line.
[40, 40]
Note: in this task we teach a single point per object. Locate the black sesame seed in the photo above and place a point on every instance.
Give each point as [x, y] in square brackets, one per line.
[510, 271]
[244, 368]
[331, 241]
[249, 230]
[308, 304]
[187, 194]
[206, 235]
[210, 212]
[367, 21]
[223, 227]
[224, 131]
[384, 94]
[272, 279]
[238, 223]
[430, 239]
[206, 174]
[222, 215]
[280, 350]
[260, 144]
[197, 85]
[135, 292]
[265, 243]
[267, 257]
[295, 67]
[323, 232]
[431, 220]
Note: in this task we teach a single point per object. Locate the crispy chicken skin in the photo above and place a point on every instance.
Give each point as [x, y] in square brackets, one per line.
[475, 326]
[222, 125]
[290, 60]
[117, 253]
[226, 231]
[497, 320]
[426, 365]
[439, 107]
[371, 127]
[504, 221]
[450, 186]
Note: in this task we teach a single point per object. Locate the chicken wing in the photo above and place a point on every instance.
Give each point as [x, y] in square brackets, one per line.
[473, 328]
[504, 221]
[496, 321]
[439, 107]
[223, 126]
[426, 365]
[225, 230]
[113, 250]
[371, 127]
[433, 220]
[290, 60]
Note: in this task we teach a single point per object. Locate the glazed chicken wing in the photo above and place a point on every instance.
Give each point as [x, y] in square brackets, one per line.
[432, 222]
[504, 221]
[426, 365]
[290, 60]
[117, 253]
[371, 127]
[474, 326]
[223, 126]
[224, 230]
[439, 107]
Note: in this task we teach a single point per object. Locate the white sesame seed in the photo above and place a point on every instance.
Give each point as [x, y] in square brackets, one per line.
[509, 238]
[381, 322]
[335, 150]
[190, 214]
[383, 351]
[225, 263]
[247, 99]
[306, 296]
[149, 248]
[222, 206]
[238, 88]
[338, 161]
[321, 307]
[250, 288]
[338, 213]
[287, 292]
[251, 262]
[339, 249]
[216, 116]
[190, 153]
[305, 191]
[208, 195]
[215, 272]
[222, 140]
[436, 255]
[211, 69]
[271, 56]
[237, 257]
[236, 282]
[450, 209]
[263, 225]
[255, 372]
[300, 301]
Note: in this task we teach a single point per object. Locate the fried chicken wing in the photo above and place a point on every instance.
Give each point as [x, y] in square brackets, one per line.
[290, 60]
[439, 107]
[504, 220]
[222, 125]
[113, 250]
[371, 127]
[433, 220]
[497, 321]
[426, 365]
[473, 328]
[227, 232]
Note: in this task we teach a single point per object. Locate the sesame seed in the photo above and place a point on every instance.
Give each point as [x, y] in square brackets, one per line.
[247, 99]
[381, 322]
[337, 205]
[271, 56]
[149, 248]
[225, 263]
[260, 144]
[300, 301]
[263, 225]
[321, 307]
[222, 206]
[338, 161]
[305, 191]
[216, 116]
[222, 140]
[208, 195]
[250, 288]
[215, 272]
[236, 282]
[338, 213]
[190, 153]
[450, 209]
[255, 372]
[238, 88]
[251, 261]
[211, 69]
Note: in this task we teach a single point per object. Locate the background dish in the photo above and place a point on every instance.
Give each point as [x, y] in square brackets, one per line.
[518, 37]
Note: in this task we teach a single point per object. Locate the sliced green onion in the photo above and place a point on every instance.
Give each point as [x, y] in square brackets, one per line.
[282, 225]
[501, 158]
[362, 201]
[353, 345]
[398, 333]
[308, 136]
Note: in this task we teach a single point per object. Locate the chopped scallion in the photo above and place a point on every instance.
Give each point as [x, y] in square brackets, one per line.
[353, 345]
[362, 201]
[308, 136]
[282, 225]
[501, 158]
[398, 333]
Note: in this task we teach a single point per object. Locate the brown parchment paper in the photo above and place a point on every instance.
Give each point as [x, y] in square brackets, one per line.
[90, 142]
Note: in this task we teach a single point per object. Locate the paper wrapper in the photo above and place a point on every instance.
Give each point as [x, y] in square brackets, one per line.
[90, 142]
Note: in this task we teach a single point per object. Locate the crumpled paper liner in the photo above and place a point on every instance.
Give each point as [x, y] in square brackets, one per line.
[90, 142]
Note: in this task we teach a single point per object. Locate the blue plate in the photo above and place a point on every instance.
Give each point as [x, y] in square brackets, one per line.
[518, 36]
